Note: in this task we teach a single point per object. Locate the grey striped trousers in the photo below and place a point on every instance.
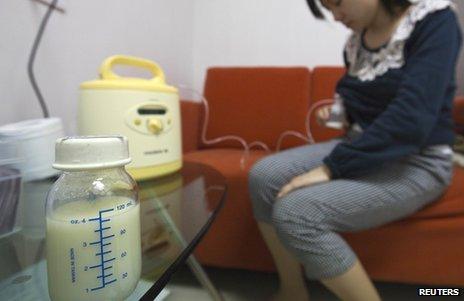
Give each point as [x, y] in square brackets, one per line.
[308, 220]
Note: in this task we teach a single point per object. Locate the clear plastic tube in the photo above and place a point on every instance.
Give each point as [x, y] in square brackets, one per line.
[310, 113]
[247, 146]
[309, 137]
[239, 139]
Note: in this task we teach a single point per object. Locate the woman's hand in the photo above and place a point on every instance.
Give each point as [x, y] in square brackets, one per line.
[316, 175]
[323, 114]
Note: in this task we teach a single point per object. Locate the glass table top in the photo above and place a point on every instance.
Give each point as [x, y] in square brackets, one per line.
[176, 211]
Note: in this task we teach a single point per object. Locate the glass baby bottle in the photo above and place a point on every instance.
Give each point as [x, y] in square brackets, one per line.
[93, 221]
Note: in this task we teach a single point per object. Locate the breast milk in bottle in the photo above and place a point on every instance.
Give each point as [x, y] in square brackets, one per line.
[93, 222]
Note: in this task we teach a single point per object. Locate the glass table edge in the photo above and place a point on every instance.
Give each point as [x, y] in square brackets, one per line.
[159, 284]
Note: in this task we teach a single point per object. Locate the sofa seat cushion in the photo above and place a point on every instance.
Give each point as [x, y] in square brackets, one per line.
[426, 251]
[225, 160]
[233, 240]
[430, 242]
[450, 204]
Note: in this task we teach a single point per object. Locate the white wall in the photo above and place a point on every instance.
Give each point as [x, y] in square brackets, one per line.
[270, 32]
[262, 32]
[75, 44]
[185, 37]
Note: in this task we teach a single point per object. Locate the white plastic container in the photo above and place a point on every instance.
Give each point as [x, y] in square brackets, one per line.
[10, 190]
[34, 141]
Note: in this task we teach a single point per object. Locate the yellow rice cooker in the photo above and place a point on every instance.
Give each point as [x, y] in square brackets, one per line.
[146, 111]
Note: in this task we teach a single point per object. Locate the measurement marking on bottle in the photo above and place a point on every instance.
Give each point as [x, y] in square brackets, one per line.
[103, 229]
[114, 280]
[101, 254]
[107, 252]
[105, 261]
[100, 276]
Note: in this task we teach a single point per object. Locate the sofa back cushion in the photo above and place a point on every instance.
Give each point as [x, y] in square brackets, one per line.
[256, 103]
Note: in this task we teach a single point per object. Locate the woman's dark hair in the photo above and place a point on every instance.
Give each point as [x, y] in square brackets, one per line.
[390, 5]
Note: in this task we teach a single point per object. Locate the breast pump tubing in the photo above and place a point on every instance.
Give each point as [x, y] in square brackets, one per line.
[247, 146]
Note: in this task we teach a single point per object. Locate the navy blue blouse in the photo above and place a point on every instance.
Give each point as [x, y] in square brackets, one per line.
[403, 99]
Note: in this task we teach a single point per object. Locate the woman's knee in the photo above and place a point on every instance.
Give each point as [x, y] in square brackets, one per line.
[261, 193]
[256, 174]
[261, 176]
[294, 218]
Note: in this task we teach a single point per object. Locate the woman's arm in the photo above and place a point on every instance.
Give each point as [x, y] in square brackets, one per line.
[406, 123]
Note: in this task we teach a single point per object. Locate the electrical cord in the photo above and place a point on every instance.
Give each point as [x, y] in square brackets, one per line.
[30, 64]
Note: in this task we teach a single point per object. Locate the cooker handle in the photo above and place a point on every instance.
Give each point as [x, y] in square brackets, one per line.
[106, 71]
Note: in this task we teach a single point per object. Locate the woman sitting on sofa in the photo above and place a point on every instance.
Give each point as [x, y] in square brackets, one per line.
[396, 99]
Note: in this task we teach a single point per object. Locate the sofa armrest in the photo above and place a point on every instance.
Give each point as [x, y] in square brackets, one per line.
[458, 114]
[191, 113]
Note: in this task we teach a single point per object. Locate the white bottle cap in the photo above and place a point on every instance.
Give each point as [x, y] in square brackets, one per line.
[91, 152]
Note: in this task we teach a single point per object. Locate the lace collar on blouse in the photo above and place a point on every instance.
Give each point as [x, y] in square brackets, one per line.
[367, 65]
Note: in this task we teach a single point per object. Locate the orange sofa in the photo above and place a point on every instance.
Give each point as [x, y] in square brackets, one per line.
[260, 103]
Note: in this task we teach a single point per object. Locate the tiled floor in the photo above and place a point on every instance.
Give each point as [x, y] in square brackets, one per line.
[239, 285]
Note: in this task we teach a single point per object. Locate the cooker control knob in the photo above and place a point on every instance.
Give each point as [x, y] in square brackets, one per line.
[154, 126]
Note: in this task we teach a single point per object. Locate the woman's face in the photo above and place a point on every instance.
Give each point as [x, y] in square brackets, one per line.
[354, 14]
